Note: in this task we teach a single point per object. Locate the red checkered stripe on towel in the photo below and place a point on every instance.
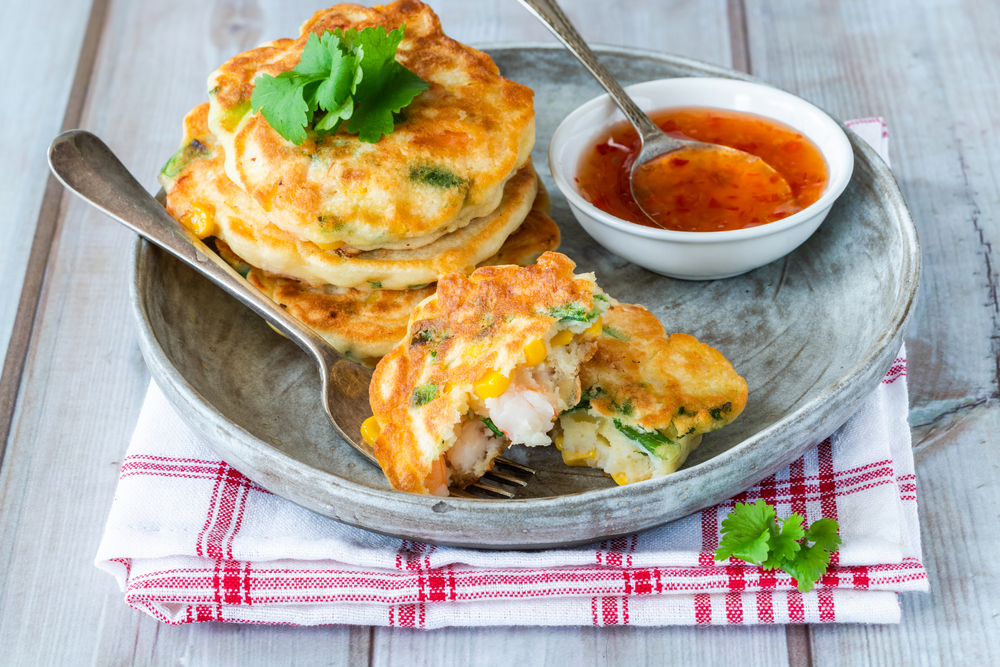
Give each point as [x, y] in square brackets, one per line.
[732, 592]
[210, 589]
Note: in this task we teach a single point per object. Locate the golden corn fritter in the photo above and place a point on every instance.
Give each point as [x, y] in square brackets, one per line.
[365, 325]
[444, 165]
[647, 398]
[200, 195]
[484, 342]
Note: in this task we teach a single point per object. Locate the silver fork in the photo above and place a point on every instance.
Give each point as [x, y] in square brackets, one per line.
[88, 168]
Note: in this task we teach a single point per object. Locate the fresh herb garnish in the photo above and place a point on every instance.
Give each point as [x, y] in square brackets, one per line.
[424, 394]
[350, 76]
[493, 427]
[751, 533]
[652, 441]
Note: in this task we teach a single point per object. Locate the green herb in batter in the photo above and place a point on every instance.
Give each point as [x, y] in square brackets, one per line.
[717, 412]
[424, 394]
[652, 441]
[435, 176]
[350, 76]
[493, 427]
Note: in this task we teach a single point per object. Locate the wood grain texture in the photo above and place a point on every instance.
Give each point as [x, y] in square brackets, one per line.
[49, 85]
[931, 69]
[37, 78]
[581, 647]
[85, 380]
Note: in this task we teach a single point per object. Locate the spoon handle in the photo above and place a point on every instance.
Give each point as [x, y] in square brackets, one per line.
[551, 14]
[87, 167]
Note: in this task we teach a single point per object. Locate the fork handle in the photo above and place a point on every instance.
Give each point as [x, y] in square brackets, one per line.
[87, 167]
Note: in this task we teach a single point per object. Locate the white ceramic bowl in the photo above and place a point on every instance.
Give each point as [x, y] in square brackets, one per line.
[700, 255]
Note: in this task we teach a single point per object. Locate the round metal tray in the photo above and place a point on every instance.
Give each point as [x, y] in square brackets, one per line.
[812, 333]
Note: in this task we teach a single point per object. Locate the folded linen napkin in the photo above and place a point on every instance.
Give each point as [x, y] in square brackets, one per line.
[191, 539]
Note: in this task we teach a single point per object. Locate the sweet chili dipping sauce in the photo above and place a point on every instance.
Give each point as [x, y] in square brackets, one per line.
[710, 194]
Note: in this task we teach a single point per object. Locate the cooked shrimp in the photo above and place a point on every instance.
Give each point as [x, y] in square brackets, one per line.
[525, 415]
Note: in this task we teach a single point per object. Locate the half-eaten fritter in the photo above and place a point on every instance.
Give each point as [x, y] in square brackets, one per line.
[491, 360]
[647, 398]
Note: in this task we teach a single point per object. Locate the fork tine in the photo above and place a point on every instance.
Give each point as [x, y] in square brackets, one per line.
[460, 493]
[504, 477]
[515, 466]
[489, 488]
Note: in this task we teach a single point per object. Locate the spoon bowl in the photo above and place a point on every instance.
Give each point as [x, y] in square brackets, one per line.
[657, 169]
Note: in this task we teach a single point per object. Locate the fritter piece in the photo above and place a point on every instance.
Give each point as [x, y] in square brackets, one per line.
[200, 195]
[365, 325]
[444, 165]
[490, 361]
[647, 398]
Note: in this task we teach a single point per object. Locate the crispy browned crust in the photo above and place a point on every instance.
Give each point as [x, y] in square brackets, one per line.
[200, 180]
[664, 380]
[471, 121]
[362, 325]
[475, 324]
[537, 234]
[367, 325]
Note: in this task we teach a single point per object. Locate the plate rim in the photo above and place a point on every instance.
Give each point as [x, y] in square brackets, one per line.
[441, 520]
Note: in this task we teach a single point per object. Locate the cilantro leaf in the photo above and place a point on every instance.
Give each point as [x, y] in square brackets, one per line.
[281, 100]
[316, 57]
[746, 532]
[385, 87]
[348, 75]
[785, 544]
[824, 533]
[809, 567]
[750, 533]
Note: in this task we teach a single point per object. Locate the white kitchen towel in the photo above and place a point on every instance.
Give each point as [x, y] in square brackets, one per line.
[191, 539]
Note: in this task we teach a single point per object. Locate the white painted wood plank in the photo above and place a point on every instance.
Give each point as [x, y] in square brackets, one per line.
[582, 647]
[41, 57]
[85, 379]
[931, 68]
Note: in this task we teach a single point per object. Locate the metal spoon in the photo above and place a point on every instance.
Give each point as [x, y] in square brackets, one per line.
[651, 171]
[87, 167]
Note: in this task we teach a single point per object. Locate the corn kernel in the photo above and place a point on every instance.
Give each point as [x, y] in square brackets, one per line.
[275, 330]
[561, 338]
[596, 328]
[474, 350]
[534, 352]
[621, 479]
[333, 245]
[558, 440]
[200, 219]
[577, 459]
[448, 386]
[370, 429]
[491, 385]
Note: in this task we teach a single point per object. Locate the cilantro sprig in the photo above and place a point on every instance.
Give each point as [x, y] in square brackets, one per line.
[751, 533]
[341, 76]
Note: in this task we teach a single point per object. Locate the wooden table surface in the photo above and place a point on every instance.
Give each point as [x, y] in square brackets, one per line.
[73, 379]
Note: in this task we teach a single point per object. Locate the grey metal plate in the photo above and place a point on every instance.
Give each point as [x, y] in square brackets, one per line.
[812, 333]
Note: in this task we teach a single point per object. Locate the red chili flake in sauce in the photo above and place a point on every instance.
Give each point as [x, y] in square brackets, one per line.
[726, 195]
